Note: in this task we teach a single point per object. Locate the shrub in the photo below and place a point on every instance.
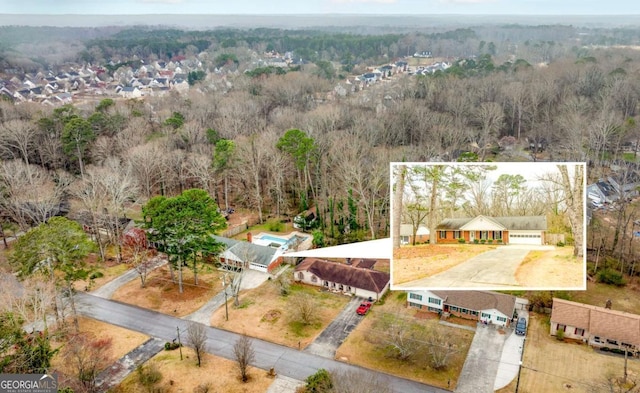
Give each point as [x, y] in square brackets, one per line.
[275, 226]
[490, 241]
[560, 244]
[612, 277]
[170, 346]
[560, 335]
[483, 241]
[95, 275]
[461, 241]
[499, 241]
[476, 241]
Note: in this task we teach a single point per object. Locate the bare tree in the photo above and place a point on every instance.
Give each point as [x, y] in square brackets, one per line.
[399, 172]
[18, 135]
[88, 356]
[197, 339]
[245, 355]
[440, 348]
[31, 299]
[303, 308]
[399, 336]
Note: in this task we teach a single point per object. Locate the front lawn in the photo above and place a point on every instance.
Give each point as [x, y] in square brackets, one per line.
[415, 262]
[162, 295]
[365, 347]
[265, 314]
[557, 268]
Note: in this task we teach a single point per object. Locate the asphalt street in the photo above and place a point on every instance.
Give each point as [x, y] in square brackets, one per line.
[286, 361]
[495, 269]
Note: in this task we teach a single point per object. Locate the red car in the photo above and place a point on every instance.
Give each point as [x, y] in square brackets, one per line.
[364, 308]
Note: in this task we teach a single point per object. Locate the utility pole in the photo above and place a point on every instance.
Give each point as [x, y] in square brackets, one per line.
[179, 343]
[520, 366]
[624, 380]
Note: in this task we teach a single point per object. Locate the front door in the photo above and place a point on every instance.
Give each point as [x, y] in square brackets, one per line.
[472, 236]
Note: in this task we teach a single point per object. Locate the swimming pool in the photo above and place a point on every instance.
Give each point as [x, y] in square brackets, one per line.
[276, 242]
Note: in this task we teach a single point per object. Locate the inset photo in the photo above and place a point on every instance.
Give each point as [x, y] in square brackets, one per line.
[492, 226]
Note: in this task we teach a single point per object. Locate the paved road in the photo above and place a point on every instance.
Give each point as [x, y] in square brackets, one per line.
[338, 330]
[481, 366]
[286, 361]
[495, 269]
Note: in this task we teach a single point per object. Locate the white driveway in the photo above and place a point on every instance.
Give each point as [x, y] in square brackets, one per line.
[511, 356]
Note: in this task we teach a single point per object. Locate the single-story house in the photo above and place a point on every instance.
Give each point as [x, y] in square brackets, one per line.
[597, 326]
[484, 306]
[241, 254]
[625, 184]
[406, 234]
[504, 230]
[340, 277]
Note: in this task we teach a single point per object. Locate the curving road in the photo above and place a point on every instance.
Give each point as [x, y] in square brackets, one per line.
[286, 361]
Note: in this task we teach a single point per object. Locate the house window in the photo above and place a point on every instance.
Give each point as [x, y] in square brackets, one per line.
[484, 234]
[415, 296]
[562, 327]
[301, 276]
[465, 311]
[314, 279]
[456, 234]
[497, 235]
[435, 301]
[453, 308]
[416, 305]
[579, 332]
[348, 289]
[612, 342]
[341, 287]
[326, 283]
[404, 239]
[443, 234]
[501, 319]
[474, 313]
[485, 315]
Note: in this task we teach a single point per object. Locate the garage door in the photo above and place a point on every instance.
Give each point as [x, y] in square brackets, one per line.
[525, 238]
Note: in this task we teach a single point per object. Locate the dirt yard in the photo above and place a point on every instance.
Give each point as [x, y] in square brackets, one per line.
[264, 314]
[415, 262]
[184, 376]
[358, 348]
[556, 269]
[161, 294]
[625, 298]
[553, 366]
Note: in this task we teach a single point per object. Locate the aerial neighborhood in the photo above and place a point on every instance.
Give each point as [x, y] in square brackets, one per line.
[305, 204]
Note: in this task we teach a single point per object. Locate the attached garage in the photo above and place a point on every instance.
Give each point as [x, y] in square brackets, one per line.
[526, 237]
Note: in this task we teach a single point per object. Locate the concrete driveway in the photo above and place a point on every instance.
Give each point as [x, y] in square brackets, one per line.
[481, 366]
[511, 355]
[494, 269]
[338, 330]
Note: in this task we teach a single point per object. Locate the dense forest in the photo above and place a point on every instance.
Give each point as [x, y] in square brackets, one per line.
[278, 143]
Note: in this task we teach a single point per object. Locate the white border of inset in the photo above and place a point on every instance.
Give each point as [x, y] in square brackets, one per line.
[489, 287]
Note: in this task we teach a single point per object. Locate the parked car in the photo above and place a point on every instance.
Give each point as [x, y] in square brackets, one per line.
[363, 308]
[521, 326]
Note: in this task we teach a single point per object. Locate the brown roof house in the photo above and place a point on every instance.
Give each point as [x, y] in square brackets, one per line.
[345, 278]
[483, 306]
[597, 326]
[481, 229]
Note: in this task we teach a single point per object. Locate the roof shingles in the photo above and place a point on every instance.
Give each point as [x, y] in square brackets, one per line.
[367, 279]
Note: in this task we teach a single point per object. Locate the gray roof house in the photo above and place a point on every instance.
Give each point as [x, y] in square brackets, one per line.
[240, 253]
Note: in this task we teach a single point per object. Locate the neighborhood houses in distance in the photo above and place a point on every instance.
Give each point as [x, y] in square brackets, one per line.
[488, 226]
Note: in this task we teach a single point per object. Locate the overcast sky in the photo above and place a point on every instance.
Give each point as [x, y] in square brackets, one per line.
[258, 7]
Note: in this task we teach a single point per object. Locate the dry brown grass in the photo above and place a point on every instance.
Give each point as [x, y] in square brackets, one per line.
[359, 349]
[162, 295]
[415, 262]
[554, 268]
[185, 375]
[123, 341]
[264, 314]
[551, 366]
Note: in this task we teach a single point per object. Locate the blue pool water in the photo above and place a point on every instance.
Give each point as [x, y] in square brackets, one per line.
[273, 239]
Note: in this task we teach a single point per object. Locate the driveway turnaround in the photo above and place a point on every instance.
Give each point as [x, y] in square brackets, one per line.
[286, 361]
[494, 269]
[332, 337]
[481, 366]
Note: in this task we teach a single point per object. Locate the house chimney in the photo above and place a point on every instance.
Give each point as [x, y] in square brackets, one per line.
[249, 237]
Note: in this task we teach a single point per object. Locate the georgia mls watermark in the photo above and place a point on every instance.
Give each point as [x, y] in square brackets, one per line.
[28, 383]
